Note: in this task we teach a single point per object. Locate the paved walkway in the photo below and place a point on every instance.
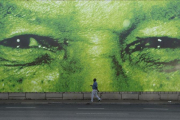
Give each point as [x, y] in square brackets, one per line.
[85, 102]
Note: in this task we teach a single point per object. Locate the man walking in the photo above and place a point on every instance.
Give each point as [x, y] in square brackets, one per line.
[95, 90]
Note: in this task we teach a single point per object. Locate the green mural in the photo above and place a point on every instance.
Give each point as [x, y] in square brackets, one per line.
[58, 46]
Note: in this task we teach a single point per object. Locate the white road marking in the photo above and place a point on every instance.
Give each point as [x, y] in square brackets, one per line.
[101, 113]
[156, 109]
[92, 108]
[21, 107]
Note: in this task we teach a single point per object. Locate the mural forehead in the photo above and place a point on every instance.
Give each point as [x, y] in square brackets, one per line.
[61, 46]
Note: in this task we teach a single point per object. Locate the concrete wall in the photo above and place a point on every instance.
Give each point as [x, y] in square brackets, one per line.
[87, 95]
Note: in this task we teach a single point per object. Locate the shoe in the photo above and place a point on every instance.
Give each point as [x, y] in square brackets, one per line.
[99, 100]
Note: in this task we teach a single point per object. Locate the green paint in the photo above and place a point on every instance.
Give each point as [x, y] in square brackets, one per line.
[61, 46]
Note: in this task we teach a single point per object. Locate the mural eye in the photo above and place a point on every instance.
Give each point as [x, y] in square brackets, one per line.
[17, 42]
[152, 42]
[31, 41]
[28, 50]
[154, 53]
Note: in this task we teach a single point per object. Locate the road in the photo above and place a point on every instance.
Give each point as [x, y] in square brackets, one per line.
[88, 112]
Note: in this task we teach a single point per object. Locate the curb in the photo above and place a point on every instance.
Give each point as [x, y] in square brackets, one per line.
[89, 103]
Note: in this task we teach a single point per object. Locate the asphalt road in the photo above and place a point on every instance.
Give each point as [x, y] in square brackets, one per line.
[89, 112]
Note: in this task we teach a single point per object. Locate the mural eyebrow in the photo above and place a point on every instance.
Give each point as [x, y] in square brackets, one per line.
[14, 10]
[169, 12]
[6, 8]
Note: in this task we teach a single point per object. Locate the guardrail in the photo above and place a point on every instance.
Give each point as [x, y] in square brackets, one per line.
[87, 95]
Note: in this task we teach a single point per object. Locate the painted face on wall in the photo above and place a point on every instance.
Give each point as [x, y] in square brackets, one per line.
[57, 46]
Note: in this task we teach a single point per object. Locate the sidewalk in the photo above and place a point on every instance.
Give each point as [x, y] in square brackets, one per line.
[86, 102]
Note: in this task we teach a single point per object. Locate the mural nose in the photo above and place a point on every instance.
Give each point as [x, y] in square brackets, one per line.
[101, 48]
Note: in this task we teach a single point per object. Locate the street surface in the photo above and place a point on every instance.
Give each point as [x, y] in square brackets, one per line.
[88, 112]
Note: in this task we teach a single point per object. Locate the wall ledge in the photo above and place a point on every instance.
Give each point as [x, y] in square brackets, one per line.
[87, 95]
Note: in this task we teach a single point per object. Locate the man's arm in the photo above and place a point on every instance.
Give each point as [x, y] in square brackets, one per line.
[97, 89]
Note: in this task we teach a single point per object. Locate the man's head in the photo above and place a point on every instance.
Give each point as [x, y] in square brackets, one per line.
[94, 79]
